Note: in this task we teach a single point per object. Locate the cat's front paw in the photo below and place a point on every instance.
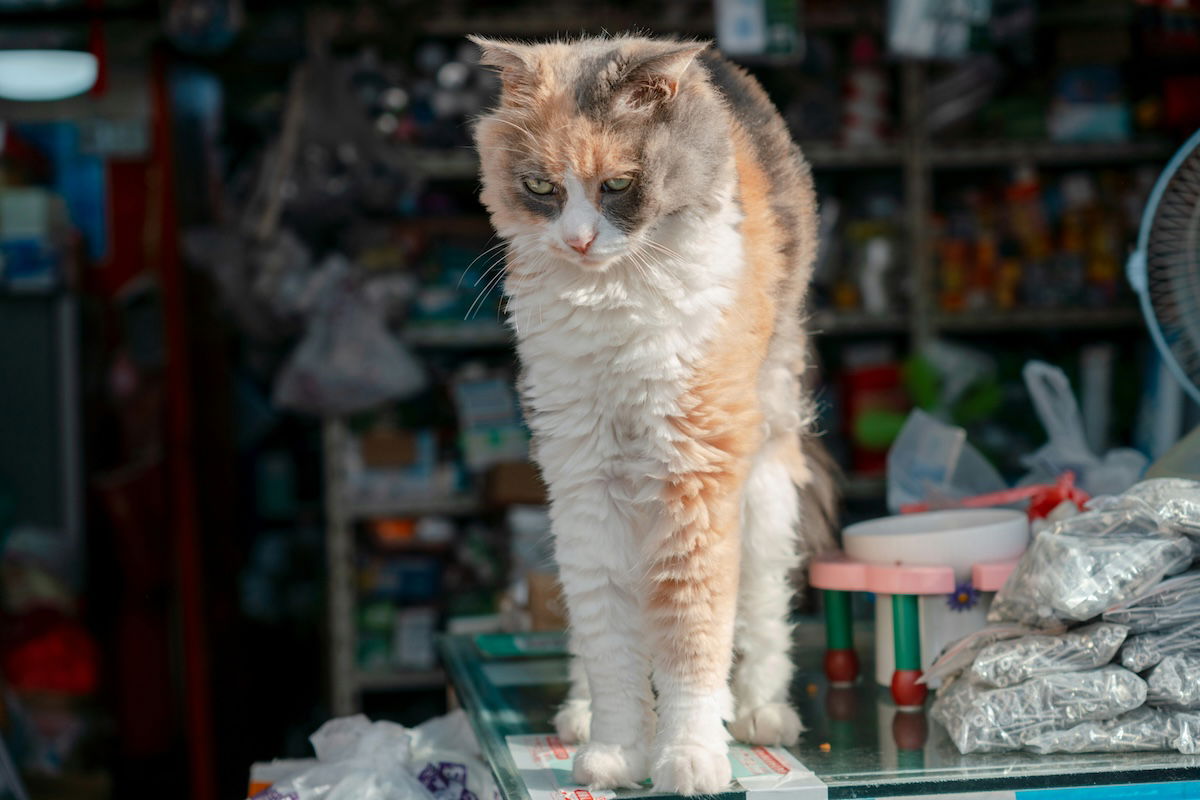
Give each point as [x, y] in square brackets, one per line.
[573, 722]
[769, 724]
[609, 766]
[691, 769]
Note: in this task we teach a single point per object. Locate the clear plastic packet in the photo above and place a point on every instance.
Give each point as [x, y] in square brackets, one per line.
[1173, 602]
[994, 720]
[1089, 563]
[1143, 651]
[1175, 682]
[1010, 662]
[1143, 728]
[363, 760]
[960, 654]
[1185, 728]
[348, 359]
[1175, 500]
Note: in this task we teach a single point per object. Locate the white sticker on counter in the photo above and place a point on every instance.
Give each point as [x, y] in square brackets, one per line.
[545, 765]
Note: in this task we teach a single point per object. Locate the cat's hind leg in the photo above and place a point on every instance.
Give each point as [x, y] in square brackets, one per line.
[763, 633]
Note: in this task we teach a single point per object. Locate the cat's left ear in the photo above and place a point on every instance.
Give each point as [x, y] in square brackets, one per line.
[655, 79]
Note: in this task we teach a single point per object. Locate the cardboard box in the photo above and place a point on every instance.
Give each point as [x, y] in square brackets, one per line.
[515, 483]
[387, 447]
[547, 607]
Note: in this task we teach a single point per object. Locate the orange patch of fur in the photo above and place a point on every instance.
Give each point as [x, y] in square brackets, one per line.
[694, 575]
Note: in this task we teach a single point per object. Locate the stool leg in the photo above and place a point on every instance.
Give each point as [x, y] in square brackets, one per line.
[906, 630]
[841, 662]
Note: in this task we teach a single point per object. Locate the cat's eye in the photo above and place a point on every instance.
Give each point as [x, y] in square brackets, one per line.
[617, 184]
[538, 186]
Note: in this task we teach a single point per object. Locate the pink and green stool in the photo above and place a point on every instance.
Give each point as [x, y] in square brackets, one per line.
[932, 574]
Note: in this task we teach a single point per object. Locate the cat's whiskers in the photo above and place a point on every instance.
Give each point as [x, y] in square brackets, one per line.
[497, 264]
[478, 302]
[490, 249]
[662, 248]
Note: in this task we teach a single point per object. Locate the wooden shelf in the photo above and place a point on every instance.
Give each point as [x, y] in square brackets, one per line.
[864, 487]
[462, 164]
[460, 506]
[1039, 320]
[457, 336]
[833, 155]
[458, 163]
[1000, 153]
[400, 680]
[828, 322]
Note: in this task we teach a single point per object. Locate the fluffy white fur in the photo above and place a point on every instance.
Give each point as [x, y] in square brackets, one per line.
[607, 349]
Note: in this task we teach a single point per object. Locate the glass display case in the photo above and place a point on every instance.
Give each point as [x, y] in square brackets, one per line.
[857, 744]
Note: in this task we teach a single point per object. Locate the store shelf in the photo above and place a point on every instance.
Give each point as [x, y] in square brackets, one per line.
[832, 155]
[828, 322]
[416, 507]
[993, 153]
[400, 680]
[1039, 320]
[568, 19]
[457, 336]
[462, 164]
[864, 487]
[447, 164]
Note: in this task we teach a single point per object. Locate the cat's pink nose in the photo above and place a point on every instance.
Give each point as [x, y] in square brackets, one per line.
[580, 244]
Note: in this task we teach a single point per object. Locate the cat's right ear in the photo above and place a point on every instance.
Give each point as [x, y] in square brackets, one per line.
[513, 60]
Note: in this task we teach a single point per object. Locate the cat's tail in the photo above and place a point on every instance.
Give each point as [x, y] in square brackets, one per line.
[817, 479]
[820, 498]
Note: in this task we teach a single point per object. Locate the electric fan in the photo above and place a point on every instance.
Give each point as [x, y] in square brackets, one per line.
[1165, 268]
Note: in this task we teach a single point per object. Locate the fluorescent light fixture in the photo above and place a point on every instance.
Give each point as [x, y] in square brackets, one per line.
[46, 74]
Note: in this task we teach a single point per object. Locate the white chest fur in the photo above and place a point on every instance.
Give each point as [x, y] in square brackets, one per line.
[607, 355]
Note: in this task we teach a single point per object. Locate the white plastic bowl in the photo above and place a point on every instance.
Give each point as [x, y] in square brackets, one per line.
[957, 538]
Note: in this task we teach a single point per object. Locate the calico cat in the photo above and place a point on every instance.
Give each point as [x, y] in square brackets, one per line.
[660, 227]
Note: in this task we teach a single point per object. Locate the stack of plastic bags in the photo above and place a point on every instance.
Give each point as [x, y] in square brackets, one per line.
[362, 760]
[1095, 638]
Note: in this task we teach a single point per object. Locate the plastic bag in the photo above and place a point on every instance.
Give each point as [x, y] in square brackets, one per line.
[992, 720]
[932, 461]
[1067, 447]
[1144, 650]
[362, 760]
[1087, 564]
[1173, 602]
[347, 361]
[1142, 729]
[960, 654]
[445, 759]
[356, 759]
[1175, 500]
[1175, 682]
[1185, 730]
[1010, 662]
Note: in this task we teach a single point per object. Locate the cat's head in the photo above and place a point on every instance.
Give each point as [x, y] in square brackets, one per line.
[595, 142]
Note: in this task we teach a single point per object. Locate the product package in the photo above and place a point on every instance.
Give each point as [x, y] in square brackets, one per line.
[1143, 651]
[960, 654]
[1008, 663]
[1175, 601]
[993, 720]
[1175, 682]
[1143, 728]
[1087, 564]
[1175, 500]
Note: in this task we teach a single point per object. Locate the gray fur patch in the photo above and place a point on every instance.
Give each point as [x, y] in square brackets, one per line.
[598, 76]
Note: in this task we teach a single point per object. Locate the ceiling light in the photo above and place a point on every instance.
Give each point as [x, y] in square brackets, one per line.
[46, 74]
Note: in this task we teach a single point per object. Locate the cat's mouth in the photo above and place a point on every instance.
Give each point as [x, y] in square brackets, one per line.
[591, 262]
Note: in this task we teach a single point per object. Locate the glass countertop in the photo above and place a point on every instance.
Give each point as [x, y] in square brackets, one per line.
[857, 743]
